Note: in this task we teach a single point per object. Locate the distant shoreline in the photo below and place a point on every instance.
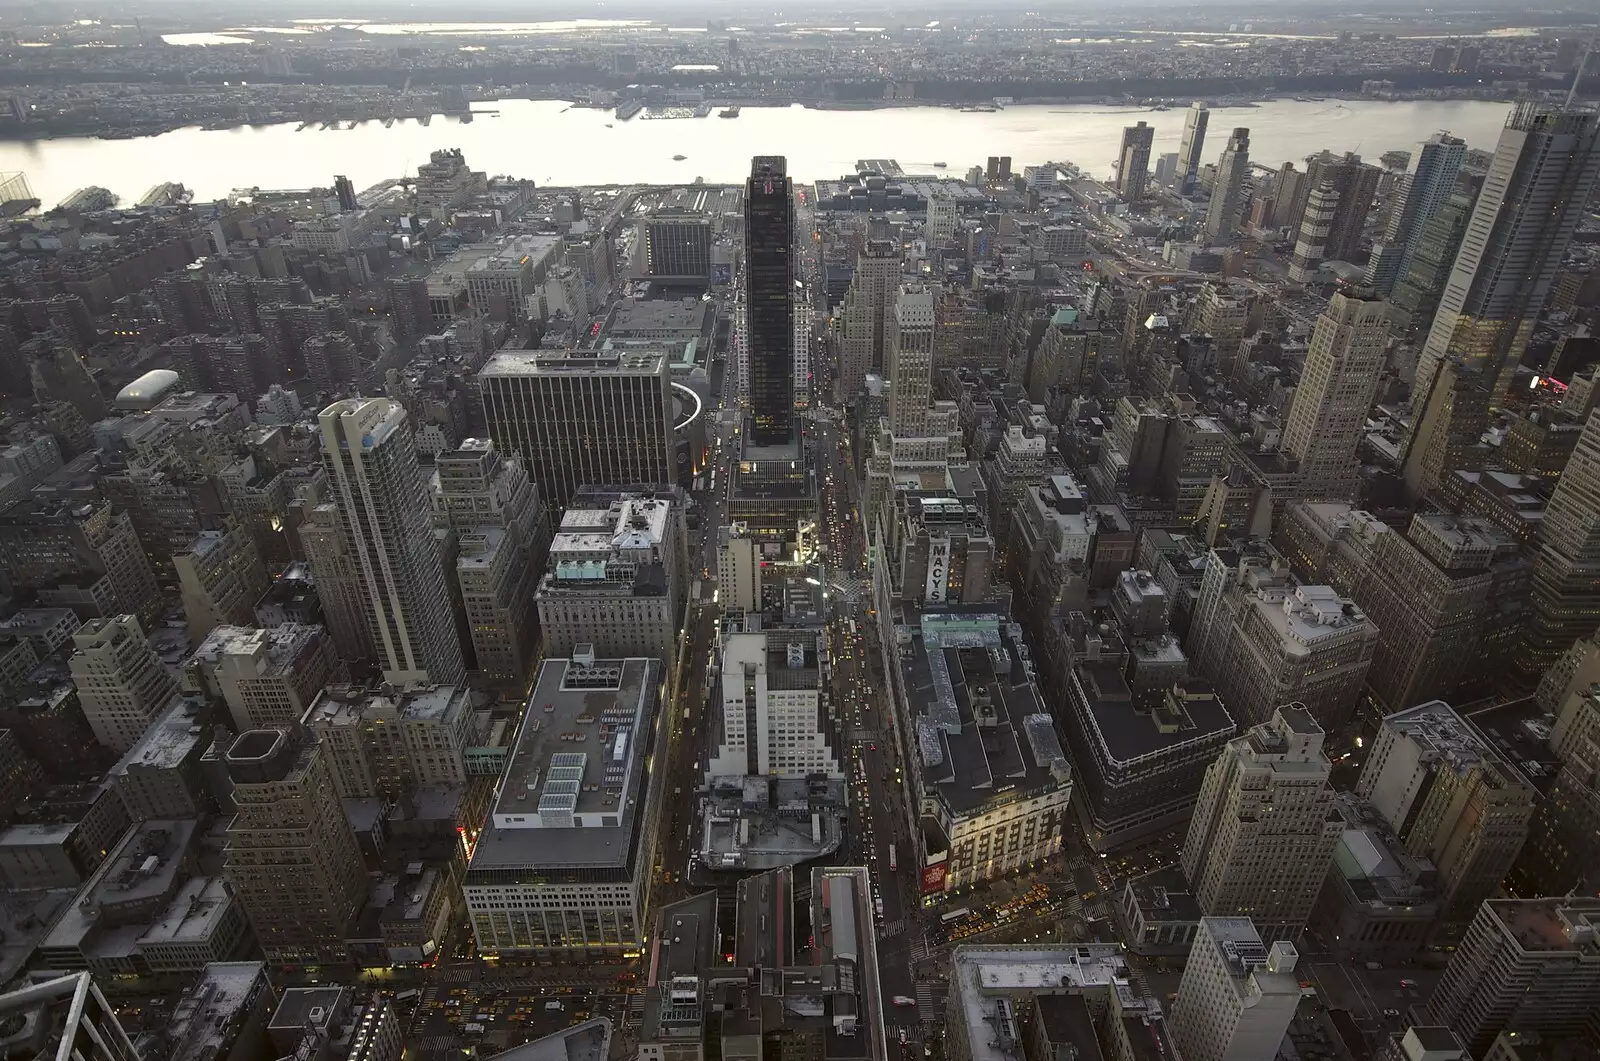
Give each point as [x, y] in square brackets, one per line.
[1227, 102]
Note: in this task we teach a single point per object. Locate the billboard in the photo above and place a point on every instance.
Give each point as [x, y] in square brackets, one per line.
[933, 878]
[722, 274]
[938, 570]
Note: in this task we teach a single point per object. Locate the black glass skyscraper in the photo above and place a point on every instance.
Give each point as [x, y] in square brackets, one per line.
[769, 299]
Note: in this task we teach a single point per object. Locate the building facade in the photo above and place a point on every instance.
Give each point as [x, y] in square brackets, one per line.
[383, 504]
[1263, 829]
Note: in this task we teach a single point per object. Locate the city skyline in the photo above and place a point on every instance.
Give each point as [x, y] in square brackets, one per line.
[1039, 585]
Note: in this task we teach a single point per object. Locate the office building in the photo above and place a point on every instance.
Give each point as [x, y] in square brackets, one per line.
[383, 504]
[1380, 901]
[386, 742]
[698, 1000]
[501, 534]
[866, 316]
[677, 246]
[159, 777]
[1313, 233]
[1192, 147]
[1535, 193]
[222, 1015]
[1264, 830]
[973, 829]
[81, 554]
[1237, 996]
[1528, 964]
[938, 549]
[1566, 596]
[1562, 852]
[1416, 295]
[774, 721]
[145, 911]
[1452, 799]
[444, 182]
[1328, 416]
[1422, 192]
[1353, 184]
[1448, 434]
[582, 417]
[1227, 194]
[615, 577]
[1449, 596]
[291, 856]
[221, 577]
[121, 682]
[265, 678]
[940, 226]
[64, 1017]
[738, 569]
[910, 352]
[1265, 639]
[64, 835]
[993, 991]
[1141, 734]
[339, 581]
[564, 869]
[1133, 162]
[769, 271]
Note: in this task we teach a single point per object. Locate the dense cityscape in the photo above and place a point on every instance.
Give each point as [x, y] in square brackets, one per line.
[955, 611]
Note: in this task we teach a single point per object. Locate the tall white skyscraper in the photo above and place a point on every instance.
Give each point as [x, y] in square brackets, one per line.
[1263, 831]
[1237, 997]
[1533, 197]
[1329, 412]
[1426, 188]
[1194, 143]
[1227, 194]
[910, 354]
[385, 511]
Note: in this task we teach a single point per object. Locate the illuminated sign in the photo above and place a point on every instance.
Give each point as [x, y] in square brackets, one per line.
[938, 570]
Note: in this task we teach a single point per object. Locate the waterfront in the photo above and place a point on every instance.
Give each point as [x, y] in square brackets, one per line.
[552, 143]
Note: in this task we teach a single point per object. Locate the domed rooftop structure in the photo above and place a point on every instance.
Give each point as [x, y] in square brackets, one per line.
[146, 392]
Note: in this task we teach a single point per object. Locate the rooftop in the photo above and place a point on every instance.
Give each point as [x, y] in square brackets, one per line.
[1306, 618]
[351, 705]
[981, 977]
[589, 1041]
[1443, 735]
[141, 869]
[983, 735]
[575, 781]
[577, 362]
[1565, 925]
[1163, 896]
[168, 742]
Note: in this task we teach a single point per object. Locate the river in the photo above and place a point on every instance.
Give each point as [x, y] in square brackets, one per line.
[550, 143]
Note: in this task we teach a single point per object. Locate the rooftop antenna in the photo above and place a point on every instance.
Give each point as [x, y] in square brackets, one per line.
[1577, 77]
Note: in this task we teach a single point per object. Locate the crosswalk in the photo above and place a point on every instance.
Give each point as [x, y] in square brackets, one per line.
[925, 1007]
[440, 1042]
